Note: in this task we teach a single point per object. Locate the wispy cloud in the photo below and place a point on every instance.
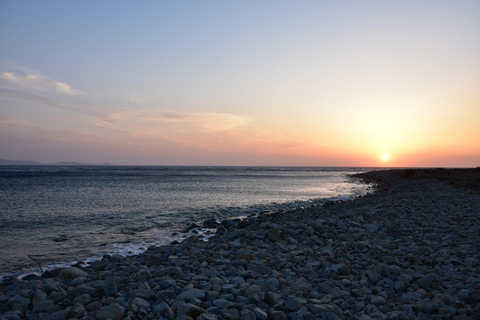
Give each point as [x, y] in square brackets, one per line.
[38, 82]
[26, 96]
[195, 121]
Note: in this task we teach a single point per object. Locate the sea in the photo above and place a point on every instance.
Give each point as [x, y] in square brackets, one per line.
[60, 215]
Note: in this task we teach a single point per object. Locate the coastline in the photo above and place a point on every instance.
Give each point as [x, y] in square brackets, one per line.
[407, 251]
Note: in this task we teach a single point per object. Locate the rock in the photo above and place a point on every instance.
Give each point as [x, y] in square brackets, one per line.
[18, 302]
[301, 286]
[247, 315]
[112, 311]
[377, 301]
[110, 286]
[71, 273]
[293, 304]
[273, 234]
[272, 298]
[83, 299]
[189, 310]
[141, 303]
[426, 281]
[210, 223]
[346, 270]
[38, 296]
[316, 225]
[207, 316]
[191, 294]
[399, 286]
[86, 289]
[236, 234]
[77, 312]
[475, 295]
[260, 314]
[371, 227]
[277, 315]
[223, 303]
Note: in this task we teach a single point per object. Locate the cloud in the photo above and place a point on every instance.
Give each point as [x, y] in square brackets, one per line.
[195, 121]
[45, 100]
[25, 96]
[39, 82]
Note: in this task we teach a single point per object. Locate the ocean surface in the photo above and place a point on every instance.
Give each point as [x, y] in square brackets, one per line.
[64, 214]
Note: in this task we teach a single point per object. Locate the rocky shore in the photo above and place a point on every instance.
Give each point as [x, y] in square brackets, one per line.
[410, 250]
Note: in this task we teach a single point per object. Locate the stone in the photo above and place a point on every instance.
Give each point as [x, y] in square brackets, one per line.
[247, 315]
[71, 273]
[236, 234]
[272, 298]
[399, 286]
[189, 310]
[426, 281]
[273, 234]
[277, 315]
[293, 304]
[38, 296]
[260, 314]
[191, 294]
[110, 286]
[346, 270]
[83, 299]
[371, 227]
[18, 302]
[112, 311]
[141, 303]
[377, 301]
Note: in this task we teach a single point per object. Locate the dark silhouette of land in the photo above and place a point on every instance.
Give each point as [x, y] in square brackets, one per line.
[465, 178]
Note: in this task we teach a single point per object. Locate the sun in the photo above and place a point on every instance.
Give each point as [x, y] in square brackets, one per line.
[385, 157]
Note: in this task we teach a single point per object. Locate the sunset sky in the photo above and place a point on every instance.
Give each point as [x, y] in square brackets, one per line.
[316, 83]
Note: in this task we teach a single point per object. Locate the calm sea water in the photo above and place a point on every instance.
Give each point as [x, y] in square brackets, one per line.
[68, 214]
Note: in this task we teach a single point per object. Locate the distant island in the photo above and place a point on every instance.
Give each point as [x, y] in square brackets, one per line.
[4, 162]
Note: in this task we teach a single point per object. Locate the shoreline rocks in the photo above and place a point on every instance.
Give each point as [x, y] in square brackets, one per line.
[408, 251]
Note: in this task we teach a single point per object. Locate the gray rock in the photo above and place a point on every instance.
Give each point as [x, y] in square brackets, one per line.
[189, 310]
[223, 303]
[18, 302]
[399, 286]
[191, 294]
[39, 296]
[426, 281]
[346, 270]
[207, 316]
[247, 315]
[110, 286]
[86, 289]
[273, 234]
[293, 304]
[141, 303]
[42, 306]
[277, 315]
[377, 301]
[58, 315]
[112, 311]
[272, 298]
[83, 299]
[71, 273]
[371, 227]
[236, 234]
[260, 314]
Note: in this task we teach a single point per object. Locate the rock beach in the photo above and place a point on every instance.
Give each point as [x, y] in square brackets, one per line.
[410, 250]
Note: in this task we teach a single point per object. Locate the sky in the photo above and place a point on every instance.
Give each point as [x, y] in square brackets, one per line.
[281, 83]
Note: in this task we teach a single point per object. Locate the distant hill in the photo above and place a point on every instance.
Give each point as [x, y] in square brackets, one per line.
[4, 162]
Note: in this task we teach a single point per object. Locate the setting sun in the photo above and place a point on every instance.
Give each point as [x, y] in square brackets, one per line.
[385, 157]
